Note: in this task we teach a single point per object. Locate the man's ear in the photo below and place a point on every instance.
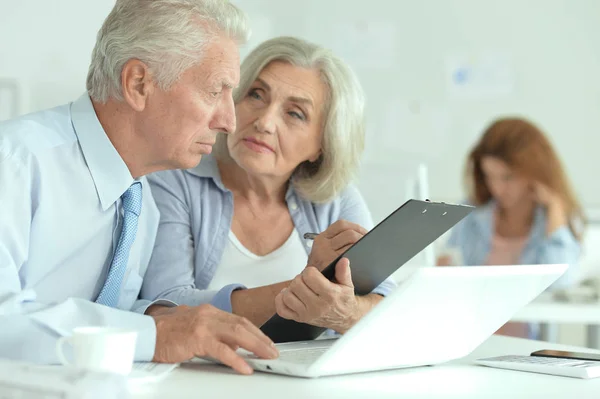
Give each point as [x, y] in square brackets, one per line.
[136, 83]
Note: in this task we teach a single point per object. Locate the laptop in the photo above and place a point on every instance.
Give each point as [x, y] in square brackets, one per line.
[438, 314]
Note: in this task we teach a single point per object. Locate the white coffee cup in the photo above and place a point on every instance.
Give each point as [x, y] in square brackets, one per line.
[102, 349]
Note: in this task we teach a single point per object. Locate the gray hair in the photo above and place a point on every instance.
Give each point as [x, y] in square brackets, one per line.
[167, 35]
[344, 116]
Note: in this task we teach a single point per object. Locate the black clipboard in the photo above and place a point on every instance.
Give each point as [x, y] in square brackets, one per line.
[378, 254]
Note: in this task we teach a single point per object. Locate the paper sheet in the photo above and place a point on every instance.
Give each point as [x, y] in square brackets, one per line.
[149, 371]
[24, 380]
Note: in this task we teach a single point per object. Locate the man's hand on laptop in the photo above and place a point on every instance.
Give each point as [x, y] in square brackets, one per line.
[313, 299]
[184, 332]
[333, 242]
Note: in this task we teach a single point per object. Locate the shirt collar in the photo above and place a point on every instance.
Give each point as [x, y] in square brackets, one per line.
[485, 218]
[208, 168]
[485, 214]
[109, 172]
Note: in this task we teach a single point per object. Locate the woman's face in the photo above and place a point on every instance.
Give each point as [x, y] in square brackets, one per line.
[508, 188]
[279, 121]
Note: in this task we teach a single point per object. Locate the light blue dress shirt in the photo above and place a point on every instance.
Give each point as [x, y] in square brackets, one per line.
[61, 181]
[196, 211]
[473, 237]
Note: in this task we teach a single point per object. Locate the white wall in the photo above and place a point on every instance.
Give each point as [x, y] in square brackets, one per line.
[553, 52]
[47, 46]
[552, 48]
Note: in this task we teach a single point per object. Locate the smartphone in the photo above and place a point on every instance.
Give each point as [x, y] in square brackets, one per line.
[568, 355]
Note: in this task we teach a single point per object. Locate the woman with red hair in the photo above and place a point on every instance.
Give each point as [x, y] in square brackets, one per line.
[527, 211]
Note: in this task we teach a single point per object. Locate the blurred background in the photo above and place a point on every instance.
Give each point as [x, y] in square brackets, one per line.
[435, 73]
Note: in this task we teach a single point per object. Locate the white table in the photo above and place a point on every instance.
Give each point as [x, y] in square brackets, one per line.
[550, 313]
[458, 379]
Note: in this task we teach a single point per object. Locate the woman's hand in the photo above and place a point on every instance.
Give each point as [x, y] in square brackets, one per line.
[313, 299]
[444, 260]
[544, 196]
[331, 243]
[555, 209]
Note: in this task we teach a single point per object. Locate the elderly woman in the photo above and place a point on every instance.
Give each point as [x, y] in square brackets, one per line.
[231, 229]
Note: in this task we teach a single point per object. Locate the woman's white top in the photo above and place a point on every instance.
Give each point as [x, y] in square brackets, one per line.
[244, 267]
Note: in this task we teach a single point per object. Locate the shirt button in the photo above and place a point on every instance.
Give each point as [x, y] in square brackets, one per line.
[309, 243]
[293, 206]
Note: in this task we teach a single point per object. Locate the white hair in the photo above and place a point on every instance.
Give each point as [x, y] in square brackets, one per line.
[344, 114]
[169, 36]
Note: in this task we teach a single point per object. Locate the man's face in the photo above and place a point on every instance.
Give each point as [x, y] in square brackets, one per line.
[180, 124]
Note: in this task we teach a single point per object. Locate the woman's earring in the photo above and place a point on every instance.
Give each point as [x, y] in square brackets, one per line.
[317, 158]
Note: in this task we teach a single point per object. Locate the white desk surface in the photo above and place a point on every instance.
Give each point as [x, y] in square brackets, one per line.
[458, 379]
[546, 310]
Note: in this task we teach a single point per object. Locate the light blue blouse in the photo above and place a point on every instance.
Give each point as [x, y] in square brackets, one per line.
[473, 237]
[196, 211]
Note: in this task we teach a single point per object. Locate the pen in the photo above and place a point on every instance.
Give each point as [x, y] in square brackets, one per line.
[310, 236]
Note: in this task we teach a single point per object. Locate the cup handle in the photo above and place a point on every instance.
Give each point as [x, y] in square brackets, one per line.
[59, 350]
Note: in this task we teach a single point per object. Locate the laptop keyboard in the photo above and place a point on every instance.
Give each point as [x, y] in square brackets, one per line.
[299, 356]
[302, 356]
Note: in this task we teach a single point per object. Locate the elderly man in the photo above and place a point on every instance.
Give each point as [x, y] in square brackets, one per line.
[78, 221]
